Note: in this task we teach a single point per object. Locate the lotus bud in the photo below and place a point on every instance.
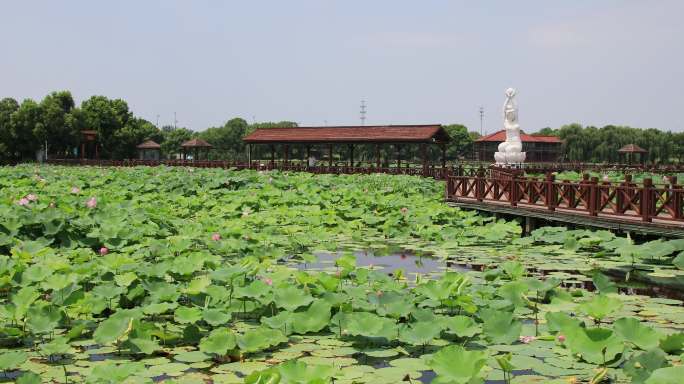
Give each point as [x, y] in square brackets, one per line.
[268, 281]
[104, 251]
[75, 190]
[404, 210]
[561, 338]
[31, 197]
[23, 201]
[91, 203]
[216, 237]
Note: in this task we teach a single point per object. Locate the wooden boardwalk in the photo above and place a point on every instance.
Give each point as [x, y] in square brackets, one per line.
[626, 206]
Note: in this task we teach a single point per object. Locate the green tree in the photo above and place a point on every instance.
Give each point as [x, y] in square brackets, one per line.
[133, 133]
[58, 128]
[172, 140]
[461, 140]
[7, 107]
[25, 122]
[107, 117]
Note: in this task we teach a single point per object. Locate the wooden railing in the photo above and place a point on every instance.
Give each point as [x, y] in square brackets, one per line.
[626, 199]
[432, 171]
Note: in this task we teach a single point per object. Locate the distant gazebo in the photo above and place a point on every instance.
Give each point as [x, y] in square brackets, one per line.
[195, 147]
[149, 150]
[630, 149]
[89, 145]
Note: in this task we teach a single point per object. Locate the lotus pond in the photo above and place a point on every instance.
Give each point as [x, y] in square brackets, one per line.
[140, 275]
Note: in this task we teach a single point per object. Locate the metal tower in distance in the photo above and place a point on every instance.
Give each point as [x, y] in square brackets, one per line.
[363, 112]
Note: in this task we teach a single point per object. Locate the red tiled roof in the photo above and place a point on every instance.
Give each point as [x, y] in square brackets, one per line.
[196, 143]
[378, 133]
[149, 144]
[632, 148]
[500, 136]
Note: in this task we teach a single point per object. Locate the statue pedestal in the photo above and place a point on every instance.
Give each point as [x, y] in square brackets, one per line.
[503, 158]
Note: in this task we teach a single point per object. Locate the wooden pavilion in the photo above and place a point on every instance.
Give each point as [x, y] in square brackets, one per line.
[195, 147]
[630, 149]
[149, 150]
[350, 136]
[89, 145]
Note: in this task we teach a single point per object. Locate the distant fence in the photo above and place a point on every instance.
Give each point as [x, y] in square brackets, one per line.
[622, 200]
[433, 171]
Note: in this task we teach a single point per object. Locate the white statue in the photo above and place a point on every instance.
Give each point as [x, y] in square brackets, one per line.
[510, 151]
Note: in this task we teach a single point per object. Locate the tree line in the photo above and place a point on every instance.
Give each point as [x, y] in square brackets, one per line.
[597, 145]
[54, 125]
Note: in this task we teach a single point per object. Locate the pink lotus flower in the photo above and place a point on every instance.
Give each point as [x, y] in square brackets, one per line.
[104, 251]
[561, 338]
[91, 203]
[527, 339]
[32, 197]
[216, 237]
[23, 201]
[404, 210]
[268, 281]
[75, 190]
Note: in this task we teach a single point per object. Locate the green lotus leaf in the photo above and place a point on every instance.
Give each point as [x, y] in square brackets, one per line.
[314, 319]
[603, 283]
[500, 327]
[12, 360]
[29, 378]
[513, 269]
[259, 339]
[514, 291]
[600, 306]
[633, 331]
[641, 366]
[125, 279]
[146, 346]
[198, 285]
[269, 376]
[461, 326]
[298, 372]
[159, 308]
[593, 345]
[673, 343]
[454, 364]
[115, 327]
[58, 346]
[669, 375]
[22, 300]
[43, 318]
[420, 333]
[215, 317]
[219, 342]
[191, 357]
[187, 315]
[110, 372]
[557, 321]
[365, 324]
[291, 298]
[254, 290]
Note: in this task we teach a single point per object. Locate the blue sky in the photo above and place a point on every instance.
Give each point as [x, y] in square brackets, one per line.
[592, 62]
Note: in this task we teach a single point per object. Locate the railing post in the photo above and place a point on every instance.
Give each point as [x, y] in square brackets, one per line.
[647, 200]
[551, 192]
[676, 199]
[514, 191]
[593, 196]
[479, 185]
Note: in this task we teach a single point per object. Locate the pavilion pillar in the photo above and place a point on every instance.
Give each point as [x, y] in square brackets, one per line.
[330, 156]
[286, 153]
[443, 147]
[423, 150]
[377, 156]
[272, 156]
[398, 147]
[249, 155]
[351, 155]
[82, 150]
[308, 155]
[97, 155]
